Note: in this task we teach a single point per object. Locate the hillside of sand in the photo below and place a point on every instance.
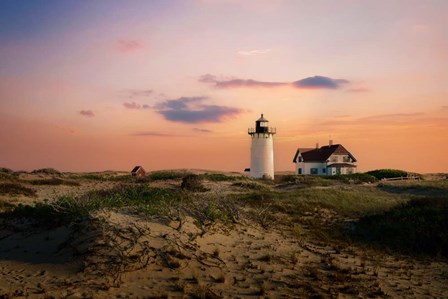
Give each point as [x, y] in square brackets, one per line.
[214, 235]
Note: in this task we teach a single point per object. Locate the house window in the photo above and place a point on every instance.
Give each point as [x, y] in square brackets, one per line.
[347, 159]
[314, 170]
[300, 159]
[299, 171]
[323, 170]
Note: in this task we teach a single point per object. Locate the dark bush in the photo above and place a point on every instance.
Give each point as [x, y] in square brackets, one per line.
[193, 183]
[419, 226]
[387, 173]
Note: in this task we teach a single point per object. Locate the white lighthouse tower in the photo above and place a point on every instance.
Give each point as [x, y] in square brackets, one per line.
[262, 150]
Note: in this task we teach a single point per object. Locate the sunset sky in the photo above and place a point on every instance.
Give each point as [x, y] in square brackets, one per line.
[106, 85]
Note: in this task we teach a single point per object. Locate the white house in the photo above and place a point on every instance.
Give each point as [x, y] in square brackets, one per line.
[326, 160]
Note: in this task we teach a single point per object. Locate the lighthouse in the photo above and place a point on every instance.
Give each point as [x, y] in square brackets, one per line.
[262, 150]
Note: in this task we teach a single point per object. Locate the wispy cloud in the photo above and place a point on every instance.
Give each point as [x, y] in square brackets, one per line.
[132, 105]
[235, 83]
[316, 82]
[193, 110]
[137, 93]
[155, 134]
[128, 46]
[136, 106]
[380, 119]
[87, 113]
[254, 52]
[202, 130]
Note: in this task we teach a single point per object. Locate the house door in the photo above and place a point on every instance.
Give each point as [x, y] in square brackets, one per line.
[338, 170]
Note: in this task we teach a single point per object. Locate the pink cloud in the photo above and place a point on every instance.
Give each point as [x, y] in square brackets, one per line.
[315, 82]
[132, 105]
[87, 113]
[128, 46]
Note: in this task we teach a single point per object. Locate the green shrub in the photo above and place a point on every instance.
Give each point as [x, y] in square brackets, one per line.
[16, 189]
[419, 226]
[387, 173]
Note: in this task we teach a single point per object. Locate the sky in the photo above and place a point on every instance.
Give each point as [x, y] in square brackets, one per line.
[107, 85]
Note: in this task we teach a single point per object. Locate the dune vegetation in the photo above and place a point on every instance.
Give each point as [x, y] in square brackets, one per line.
[200, 231]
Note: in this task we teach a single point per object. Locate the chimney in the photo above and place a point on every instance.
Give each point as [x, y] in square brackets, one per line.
[317, 145]
[330, 142]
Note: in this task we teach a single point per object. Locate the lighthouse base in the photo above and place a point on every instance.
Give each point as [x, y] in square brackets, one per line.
[262, 157]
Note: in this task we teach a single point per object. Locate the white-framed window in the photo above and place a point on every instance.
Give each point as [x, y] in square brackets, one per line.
[314, 170]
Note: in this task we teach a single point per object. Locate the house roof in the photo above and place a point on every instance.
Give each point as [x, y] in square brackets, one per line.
[136, 168]
[321, 154]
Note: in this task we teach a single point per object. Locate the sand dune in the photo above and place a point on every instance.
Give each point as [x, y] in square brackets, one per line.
[116, 253]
